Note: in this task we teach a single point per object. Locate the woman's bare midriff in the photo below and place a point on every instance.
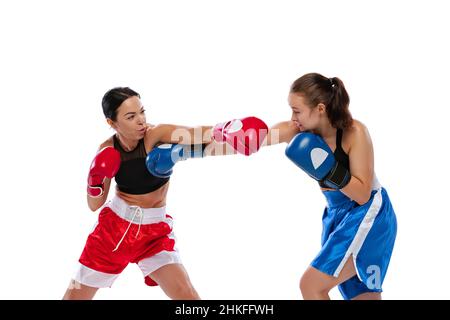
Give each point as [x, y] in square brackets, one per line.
[154, 199]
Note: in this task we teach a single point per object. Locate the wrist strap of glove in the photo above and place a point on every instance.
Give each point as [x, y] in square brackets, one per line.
[95, 191]
[338, 177]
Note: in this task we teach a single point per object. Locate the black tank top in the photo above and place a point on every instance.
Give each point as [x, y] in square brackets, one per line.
[339, 154]
[133, 176]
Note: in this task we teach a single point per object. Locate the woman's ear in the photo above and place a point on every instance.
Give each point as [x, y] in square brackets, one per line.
[321, 107]
[111, 123]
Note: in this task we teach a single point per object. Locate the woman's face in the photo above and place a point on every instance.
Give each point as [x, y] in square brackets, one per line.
[305, 118]
[131, 122]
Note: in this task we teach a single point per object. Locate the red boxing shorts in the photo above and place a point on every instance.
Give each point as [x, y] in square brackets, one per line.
[125, 234]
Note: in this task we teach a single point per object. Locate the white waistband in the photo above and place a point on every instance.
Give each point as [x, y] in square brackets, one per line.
[375, 183]
[136, 214]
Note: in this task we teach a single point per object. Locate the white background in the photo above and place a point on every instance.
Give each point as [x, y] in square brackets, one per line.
[247, 227]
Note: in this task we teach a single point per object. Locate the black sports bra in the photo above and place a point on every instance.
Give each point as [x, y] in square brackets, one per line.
[133, 176]
[339, 154]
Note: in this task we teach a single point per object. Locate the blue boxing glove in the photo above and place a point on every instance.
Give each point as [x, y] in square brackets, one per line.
[161, 159]
[312, 154]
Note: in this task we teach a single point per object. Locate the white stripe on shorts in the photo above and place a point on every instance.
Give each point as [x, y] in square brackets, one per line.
[362, 232]
[93, 278]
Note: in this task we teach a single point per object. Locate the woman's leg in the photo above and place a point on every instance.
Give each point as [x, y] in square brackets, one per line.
[78, 291]
[174, 281]
[368, 296]
[315, 285]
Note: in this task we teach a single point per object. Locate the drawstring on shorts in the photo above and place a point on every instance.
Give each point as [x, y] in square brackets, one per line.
[137, 212]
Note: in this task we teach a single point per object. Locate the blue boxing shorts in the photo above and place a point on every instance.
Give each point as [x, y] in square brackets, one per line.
[366, 233]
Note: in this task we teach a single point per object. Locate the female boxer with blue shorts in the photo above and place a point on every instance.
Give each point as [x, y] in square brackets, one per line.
[359, 223]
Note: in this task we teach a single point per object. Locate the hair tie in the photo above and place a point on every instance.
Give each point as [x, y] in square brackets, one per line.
[331, 82]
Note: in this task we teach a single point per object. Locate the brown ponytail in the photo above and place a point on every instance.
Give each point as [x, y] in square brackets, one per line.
[331, 92]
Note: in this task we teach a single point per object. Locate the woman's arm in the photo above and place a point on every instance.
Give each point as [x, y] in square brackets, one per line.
[241, 136]
[169, 133]
[282, 132]
[96, 202]
[361, 165]
[279, 133]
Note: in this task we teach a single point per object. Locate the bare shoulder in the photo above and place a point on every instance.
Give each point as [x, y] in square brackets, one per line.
[107, 143]
[156, 129]
[357, 128]
[356, 133]
[153, 134]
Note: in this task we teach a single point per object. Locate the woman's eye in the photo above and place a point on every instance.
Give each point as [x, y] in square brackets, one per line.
[143, 111]
[129, 118]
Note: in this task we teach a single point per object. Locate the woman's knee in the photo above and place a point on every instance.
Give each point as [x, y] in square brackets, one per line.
[307, 284]
[184, 290]
[311, 286]
[368, 296]
[78, 291]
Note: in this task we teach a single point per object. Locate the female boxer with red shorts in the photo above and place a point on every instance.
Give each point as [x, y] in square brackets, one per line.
[134, 226]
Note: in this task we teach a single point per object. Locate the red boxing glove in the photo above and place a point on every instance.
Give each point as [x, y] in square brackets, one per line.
[105, 164]
[244, 135]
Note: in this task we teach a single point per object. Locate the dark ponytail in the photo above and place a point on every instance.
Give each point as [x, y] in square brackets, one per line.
[114, 98]
[331, 92]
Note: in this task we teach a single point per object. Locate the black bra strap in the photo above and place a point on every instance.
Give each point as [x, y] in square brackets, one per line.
[117, 145]
[339, 139]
